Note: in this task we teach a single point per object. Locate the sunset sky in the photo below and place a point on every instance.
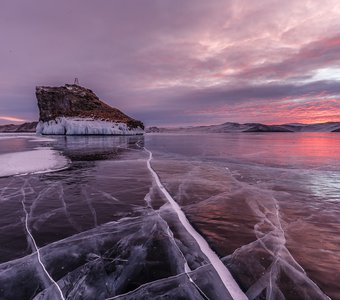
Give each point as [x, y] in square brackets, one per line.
[176, 62]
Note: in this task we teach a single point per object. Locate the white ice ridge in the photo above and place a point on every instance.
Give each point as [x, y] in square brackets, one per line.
[227, 279]
[34, 161]
[187, 269]
[85, 126]
[38, 253]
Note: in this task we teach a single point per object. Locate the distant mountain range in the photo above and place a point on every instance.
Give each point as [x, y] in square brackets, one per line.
[26, 127]
[251, 127]
[225, 127]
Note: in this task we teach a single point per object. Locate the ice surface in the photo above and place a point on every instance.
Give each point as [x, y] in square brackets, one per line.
[85, 126]
[35, 161]
[89, 233]
[37, 251]
[221, 270]
[109, 228]
[267, 220]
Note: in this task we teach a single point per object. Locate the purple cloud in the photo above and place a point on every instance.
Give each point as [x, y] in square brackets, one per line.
[161, 61]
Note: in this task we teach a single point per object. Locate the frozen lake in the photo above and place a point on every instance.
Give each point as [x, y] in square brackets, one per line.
[216, 216]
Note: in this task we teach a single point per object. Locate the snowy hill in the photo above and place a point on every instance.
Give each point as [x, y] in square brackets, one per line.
[252, 127]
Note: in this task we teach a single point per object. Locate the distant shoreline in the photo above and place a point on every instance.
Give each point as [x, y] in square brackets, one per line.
[30, 127]
[24, 127]
[250, 127]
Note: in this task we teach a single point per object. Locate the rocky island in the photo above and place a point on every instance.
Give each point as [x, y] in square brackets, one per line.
[75, 110]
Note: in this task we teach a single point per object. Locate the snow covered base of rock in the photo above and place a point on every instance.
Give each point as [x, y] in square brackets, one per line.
[85, 126]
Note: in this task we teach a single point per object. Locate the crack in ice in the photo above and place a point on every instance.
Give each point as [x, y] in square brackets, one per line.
[152, 282]
[224, 274]
[89, 204]
[187, 269]
[37, 249]
[277, 233]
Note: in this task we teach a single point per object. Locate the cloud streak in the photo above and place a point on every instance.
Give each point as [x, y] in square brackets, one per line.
[11, 119]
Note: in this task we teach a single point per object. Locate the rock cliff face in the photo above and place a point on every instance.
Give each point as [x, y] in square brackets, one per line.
[72, 109]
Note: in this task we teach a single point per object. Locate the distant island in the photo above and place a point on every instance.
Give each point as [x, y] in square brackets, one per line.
[251, 127]
[75, 110]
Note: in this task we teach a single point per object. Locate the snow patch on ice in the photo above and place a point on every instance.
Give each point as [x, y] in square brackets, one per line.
[85, 126]
[40, 160]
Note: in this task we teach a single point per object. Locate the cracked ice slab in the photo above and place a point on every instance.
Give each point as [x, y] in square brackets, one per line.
[40, 160]
[225, 276]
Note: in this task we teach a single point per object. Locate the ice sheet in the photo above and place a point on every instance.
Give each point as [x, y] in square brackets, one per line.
[221, 270]
[110, 228]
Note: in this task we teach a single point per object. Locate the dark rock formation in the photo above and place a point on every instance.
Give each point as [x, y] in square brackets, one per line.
[75, 101]
[25, 127]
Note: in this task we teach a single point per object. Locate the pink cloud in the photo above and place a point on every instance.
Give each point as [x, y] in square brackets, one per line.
[152, 58]
[11, 119]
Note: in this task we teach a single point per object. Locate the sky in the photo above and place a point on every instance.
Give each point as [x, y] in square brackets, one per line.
[176, 62]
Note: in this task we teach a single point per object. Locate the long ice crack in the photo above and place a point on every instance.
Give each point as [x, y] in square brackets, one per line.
[38, 252]
[187, 269]
[224, 274]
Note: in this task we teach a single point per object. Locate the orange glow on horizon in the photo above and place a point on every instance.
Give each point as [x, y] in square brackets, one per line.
[315, 120]
[11, 119]
[275, 112]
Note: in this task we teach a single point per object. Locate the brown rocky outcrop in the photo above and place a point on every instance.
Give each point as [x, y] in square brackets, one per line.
[73, 100]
